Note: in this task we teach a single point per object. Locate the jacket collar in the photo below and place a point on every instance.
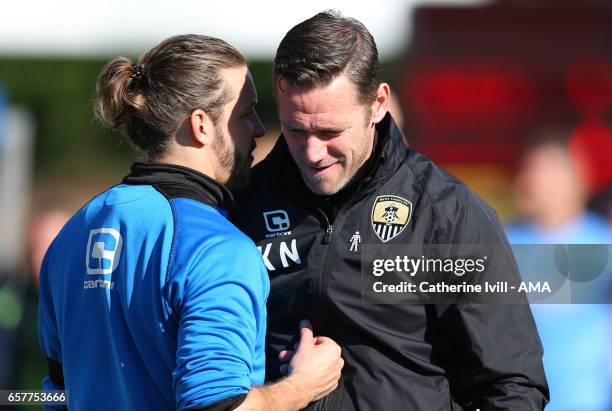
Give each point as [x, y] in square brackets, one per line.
[393, 150]
[175, 181]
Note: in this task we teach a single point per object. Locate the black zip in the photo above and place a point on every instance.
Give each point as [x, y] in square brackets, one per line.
[328, 233]
[329, 229]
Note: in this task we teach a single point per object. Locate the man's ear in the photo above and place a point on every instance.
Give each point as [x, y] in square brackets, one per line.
[202, 127]
[381, 103]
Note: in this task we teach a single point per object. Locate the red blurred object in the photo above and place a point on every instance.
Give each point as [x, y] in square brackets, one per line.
[591, 146]
[589, 85]
[472, 97]
[476, 81]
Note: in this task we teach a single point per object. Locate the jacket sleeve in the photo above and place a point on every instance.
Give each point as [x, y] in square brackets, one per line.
[499, 350]
[220, 304]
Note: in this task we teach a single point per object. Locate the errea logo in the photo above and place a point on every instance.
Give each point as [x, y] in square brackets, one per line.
[103, 251]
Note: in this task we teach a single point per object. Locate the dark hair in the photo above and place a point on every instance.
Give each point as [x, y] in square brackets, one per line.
[316, 51]
[147, 102]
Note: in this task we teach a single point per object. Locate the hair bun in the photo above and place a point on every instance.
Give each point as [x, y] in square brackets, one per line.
[114, 96]
[137, 72]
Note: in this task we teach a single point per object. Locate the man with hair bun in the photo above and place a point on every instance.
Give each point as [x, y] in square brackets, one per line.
[149, 298]
[340, 170]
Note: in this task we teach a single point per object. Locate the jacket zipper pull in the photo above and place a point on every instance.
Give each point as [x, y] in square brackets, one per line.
[328, 234]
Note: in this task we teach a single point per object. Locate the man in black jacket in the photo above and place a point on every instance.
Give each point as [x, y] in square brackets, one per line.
[339, 180]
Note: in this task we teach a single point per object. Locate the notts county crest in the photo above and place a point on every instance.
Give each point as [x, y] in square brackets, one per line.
[390, 214]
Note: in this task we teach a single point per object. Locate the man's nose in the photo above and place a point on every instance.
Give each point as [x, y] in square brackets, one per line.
[314, 149]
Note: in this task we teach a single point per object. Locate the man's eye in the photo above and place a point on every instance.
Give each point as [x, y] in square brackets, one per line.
[330, 134]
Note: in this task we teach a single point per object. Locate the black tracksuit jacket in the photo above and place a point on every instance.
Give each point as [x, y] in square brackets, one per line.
[397, 356]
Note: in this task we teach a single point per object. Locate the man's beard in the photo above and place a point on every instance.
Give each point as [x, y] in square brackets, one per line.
[232, 161]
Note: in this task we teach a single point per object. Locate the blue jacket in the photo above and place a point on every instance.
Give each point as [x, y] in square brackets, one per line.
[151, 299]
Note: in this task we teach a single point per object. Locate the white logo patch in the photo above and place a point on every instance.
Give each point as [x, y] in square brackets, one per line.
[103, 251]
[355, 241]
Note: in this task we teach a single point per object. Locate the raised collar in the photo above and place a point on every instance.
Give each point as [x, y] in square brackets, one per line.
[175, 181]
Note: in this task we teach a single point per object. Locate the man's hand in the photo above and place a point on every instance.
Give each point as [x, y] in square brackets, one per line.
[315, 365]
[314, 370]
